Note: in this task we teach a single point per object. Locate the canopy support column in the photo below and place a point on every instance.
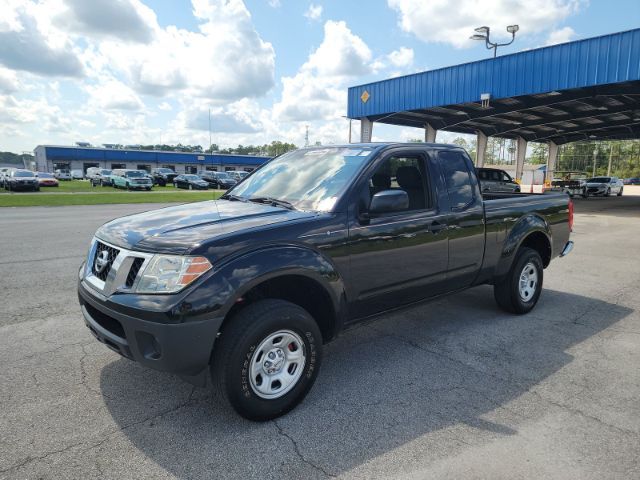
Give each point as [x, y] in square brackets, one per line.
[481, 148]
[551, 160]
[366, 129]
[429, 133]
[521, 152]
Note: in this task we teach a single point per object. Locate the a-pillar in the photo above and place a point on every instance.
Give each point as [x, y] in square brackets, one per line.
[366, 129]
[551, 160]
[429, 133]
[521, 152]
[481, 149]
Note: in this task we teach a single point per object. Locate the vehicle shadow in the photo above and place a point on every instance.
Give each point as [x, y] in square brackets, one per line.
[382, 385]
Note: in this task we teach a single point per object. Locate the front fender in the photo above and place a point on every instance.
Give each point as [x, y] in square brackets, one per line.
[524, 227]
[233, 278]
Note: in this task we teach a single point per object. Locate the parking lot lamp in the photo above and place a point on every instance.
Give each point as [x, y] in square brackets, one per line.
[483, 33]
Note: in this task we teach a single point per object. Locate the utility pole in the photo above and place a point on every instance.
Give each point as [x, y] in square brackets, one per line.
[595, 154]
[306, 136]
[610, 158]
[210, 130]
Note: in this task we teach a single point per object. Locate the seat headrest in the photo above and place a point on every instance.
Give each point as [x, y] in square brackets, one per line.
[381, 180]
[409, 177]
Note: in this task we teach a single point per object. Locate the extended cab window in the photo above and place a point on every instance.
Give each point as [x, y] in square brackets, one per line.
[457, 178]
[400, 173]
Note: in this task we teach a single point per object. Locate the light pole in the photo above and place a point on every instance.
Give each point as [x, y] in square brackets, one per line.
[483, 33]
[343, 116]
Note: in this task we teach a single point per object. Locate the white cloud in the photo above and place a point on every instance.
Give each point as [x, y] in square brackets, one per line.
[112, 94]
[234, 118]
[165, 106]
[439, 21]
[275, 3]
[341, 53]
[314, 12]
[128, 20]
[562, 35]
[28, 43]
[318, 90]
[8, 81]
[225, 61]
[402, 58]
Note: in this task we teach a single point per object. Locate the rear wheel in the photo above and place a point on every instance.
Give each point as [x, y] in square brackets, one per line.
[520, 290]
[266, 359]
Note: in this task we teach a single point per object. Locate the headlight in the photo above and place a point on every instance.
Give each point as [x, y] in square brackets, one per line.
[171, 273]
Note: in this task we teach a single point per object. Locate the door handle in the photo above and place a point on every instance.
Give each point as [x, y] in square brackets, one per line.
[436, 227]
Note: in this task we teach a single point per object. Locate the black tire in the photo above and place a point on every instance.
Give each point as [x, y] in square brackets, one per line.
[608, 194]
[620, 192]
[234, 349]
[507, 292]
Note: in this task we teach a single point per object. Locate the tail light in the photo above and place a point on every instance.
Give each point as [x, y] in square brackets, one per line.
[570, 215]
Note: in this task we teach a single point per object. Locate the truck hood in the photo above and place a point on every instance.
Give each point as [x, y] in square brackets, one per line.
[182, 228]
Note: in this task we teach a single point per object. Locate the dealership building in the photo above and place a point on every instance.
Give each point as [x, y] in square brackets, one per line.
[51, 157]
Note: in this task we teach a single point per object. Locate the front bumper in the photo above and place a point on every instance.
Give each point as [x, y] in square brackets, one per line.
[24, 186]
[596, 190]
[183, 348]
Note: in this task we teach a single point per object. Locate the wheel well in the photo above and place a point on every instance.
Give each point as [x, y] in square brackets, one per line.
[539, 242]
[298, 289]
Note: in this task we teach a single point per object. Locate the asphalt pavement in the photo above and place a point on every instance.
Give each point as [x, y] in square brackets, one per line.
[451, 389]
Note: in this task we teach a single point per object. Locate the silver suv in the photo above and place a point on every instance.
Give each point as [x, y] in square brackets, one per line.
[496, 180]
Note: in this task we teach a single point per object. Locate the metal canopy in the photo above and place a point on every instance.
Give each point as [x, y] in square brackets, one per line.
[582, 90]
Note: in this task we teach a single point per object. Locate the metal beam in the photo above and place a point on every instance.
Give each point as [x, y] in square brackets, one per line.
[562, 118]
[588, 129]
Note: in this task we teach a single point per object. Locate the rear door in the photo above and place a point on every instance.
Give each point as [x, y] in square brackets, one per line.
[400, 257]
[465, 218]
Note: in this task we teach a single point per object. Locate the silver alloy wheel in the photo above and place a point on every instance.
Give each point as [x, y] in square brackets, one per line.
[277, 364]
[528, 282]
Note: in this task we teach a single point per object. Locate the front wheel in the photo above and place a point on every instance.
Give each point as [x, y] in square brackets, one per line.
[620, 192]
[267, 359]
[520, 290]
[608, 194]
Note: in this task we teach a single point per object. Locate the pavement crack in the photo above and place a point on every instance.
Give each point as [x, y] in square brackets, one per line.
[299, 453]
[29, 459]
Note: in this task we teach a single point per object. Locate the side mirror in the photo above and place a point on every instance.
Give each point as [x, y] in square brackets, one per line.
[389, 201]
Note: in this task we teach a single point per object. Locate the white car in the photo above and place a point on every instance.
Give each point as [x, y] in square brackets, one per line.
[77, 175]
[62, 174]
[605, 186]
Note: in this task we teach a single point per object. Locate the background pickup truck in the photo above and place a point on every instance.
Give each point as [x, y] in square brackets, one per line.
[251, 286]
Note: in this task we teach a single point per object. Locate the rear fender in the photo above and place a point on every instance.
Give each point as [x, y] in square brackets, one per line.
[524, 227]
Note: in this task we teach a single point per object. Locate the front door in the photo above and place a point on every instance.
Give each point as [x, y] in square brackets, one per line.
[400, 257]
[465, 221]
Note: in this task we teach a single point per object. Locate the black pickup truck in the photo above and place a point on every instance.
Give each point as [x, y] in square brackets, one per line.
[249, 288]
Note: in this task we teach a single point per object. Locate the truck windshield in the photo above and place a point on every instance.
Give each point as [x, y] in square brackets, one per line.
[310, 179]
[135, 174]
[599, 180]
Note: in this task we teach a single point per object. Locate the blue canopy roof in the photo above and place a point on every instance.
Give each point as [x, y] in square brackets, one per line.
[607, 67]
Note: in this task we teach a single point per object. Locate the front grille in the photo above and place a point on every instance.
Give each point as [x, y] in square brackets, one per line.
[133, 272]
[111, 255]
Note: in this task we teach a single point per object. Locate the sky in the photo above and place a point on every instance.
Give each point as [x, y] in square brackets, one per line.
[149, 72]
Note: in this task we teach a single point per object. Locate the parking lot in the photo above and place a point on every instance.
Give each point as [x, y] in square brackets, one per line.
[454, 388]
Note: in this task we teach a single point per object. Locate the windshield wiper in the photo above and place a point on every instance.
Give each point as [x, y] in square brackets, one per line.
[273, 201]
[232, 197]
